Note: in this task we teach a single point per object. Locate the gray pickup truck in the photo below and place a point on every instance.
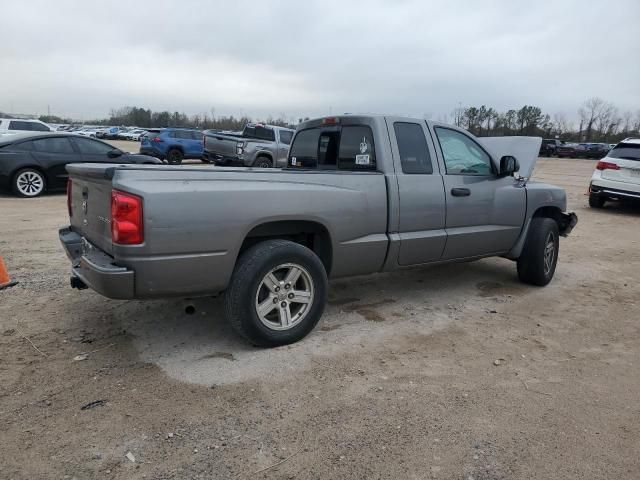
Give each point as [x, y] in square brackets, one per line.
[359, 194]
[257, 145]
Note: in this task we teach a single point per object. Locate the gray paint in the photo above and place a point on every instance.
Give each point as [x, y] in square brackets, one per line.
[196, 219]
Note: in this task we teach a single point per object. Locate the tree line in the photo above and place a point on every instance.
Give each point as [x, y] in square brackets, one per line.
[599, 121]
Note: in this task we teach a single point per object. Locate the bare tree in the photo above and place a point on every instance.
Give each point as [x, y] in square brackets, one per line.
[589, 112]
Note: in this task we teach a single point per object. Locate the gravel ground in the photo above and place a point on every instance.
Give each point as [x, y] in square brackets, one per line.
[454, 372]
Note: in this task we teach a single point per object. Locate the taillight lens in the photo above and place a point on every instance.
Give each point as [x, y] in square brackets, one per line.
[126, 218]
[602, 165]
[156, 139]
[69, 193]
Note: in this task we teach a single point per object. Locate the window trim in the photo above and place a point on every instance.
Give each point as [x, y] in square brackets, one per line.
[446, 170]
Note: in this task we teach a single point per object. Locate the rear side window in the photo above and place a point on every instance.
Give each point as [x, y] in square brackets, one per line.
[53, 145]
[625, 151]
[285, 136]
[196, 135]
[330, 148]
[412, 145]
[19, 125]
[92, 147]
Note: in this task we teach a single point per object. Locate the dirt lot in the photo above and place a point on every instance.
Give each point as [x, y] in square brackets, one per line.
[398, 381]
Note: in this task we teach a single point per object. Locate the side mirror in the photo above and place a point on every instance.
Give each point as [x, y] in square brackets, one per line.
[508, 165]
[115, 153]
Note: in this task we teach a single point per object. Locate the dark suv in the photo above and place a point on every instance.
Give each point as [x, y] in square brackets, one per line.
[173, 144]
[549, 147]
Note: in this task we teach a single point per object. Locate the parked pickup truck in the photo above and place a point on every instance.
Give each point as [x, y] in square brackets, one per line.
[359, 194]
[258, 145]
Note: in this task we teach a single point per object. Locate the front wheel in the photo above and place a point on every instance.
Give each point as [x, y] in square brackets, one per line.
[28, 182]
[539, 258]
[277, 293]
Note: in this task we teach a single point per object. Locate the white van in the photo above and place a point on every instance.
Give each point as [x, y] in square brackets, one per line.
[9, 125]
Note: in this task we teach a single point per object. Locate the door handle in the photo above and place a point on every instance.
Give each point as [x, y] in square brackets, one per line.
[460, 192]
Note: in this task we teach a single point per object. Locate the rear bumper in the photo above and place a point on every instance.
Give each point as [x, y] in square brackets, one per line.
[613, 188]
[224, 160]
[95, 269]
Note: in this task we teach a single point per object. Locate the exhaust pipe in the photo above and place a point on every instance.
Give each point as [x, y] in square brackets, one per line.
[189, 309]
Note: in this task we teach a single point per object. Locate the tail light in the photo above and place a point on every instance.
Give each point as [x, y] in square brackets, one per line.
[239, 148]
[69, 193]
[156, 139]
[126, 218]
[602, 165]
[330, 121]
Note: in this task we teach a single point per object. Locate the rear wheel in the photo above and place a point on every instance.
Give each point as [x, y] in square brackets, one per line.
[174, 156]
[537, 263]
[28, 182]
[596, 201]
[277, 293]
[263, 162]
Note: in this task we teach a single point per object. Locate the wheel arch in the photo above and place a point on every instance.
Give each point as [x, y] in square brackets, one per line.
[565, 221]
[263, 154]
[312, 234]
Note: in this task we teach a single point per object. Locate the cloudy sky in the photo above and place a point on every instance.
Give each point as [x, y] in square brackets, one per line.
[308, 58]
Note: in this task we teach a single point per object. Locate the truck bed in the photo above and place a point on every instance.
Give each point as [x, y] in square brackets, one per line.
[196, 219]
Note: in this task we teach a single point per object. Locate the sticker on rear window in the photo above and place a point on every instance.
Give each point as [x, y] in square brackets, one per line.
[364, 146]
[293, 161]
[362, 159]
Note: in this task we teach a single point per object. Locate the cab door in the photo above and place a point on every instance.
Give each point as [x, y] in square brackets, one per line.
[485, 211]
[422, 202]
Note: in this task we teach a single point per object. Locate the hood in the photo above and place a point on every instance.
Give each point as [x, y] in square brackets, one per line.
[525, 149]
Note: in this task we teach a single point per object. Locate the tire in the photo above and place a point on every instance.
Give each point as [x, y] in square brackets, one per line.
[248, 290]
[538, 260]
[28, 183]
[175, 156]
[263, 162]
[596, 201]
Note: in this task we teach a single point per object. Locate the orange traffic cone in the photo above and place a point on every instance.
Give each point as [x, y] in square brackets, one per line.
[5, 281]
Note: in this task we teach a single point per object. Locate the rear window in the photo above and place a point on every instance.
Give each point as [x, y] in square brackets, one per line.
[625, 151]
[331, 148]
[259, 132]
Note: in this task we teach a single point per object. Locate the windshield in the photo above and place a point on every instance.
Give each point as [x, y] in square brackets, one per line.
[627, 151]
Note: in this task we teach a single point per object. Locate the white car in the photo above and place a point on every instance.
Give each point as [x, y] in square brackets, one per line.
[617, 176]
[133, 134]
[86, 132]
[8, 125]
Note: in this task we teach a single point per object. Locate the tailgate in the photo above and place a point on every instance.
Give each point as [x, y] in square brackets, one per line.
[220, 145]
[629, 171]
[91, 205]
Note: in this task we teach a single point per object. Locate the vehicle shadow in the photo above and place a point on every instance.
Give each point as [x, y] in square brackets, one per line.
[202, 348]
